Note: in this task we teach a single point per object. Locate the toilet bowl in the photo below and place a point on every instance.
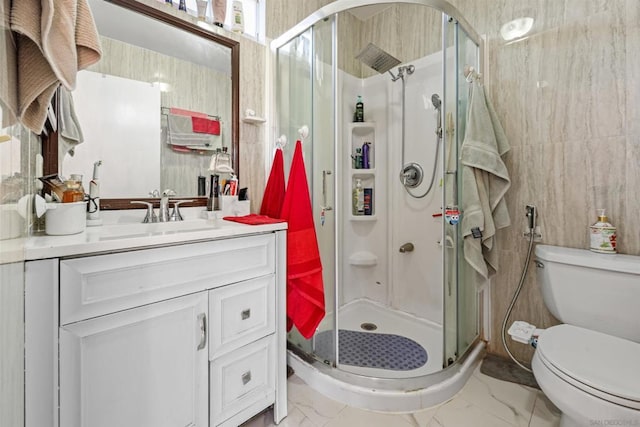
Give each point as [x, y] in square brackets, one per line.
[589, 367]
[593, 378]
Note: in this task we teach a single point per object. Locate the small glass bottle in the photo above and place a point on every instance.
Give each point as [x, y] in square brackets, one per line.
[74, 191]
[357, 159]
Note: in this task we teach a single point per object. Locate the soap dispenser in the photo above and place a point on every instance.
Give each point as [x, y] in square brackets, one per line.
[603, 235]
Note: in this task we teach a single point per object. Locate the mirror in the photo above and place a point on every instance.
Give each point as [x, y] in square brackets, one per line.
[158, 74]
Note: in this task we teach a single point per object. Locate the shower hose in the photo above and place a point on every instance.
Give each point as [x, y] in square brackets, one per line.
[435, 159]
[513, 302]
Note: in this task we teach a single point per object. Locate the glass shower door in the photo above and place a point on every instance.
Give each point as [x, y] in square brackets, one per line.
[461, 318]
[467, 55]
[305, 85]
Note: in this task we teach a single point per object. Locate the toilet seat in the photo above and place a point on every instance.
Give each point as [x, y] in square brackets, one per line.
[608, 367]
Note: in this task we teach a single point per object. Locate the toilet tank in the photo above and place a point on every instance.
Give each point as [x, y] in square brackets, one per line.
[595, 291]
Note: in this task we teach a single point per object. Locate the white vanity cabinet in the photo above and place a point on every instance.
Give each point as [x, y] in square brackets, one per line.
[183, 335]
[146, 366]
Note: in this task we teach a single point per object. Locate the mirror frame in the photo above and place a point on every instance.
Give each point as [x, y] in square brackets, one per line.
[50, 142]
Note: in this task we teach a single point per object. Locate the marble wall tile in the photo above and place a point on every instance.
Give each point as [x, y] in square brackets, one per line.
[630, 223]
[252, 137]
[548, 90]
[284, 14]
[632, 13]
[350, 35]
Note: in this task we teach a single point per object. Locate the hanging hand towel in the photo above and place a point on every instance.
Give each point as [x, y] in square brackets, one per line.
[485, 180]
[180, 132]
[274, 191]
[305, 291]
[253, 219]
[55, 40]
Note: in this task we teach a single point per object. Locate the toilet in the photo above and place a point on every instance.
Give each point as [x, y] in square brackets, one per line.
[589, 367]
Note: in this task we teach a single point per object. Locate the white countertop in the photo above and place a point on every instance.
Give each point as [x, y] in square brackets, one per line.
[123, 230]
[118, 237]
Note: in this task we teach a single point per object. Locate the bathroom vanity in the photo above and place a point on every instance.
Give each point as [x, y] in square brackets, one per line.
[166, 324]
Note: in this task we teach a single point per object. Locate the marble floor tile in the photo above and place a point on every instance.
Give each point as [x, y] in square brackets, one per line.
[511, 402]
[354, 417]
[295, 418]
[315, 406]
[545, 413]
[483, 402]
[462, 413]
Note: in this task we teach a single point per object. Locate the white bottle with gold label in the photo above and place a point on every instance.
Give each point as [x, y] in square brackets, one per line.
[603, 235]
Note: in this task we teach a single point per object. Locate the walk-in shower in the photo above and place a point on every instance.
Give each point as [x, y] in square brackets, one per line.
[402, 325]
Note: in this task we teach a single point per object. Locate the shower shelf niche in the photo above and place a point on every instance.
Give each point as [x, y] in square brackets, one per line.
[359, 134]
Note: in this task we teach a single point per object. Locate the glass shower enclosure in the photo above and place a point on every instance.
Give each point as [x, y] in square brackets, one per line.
[372, 285]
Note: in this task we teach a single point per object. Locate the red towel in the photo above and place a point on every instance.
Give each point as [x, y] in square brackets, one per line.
[183, 112]
[203, 125]
[253, 219]
[305, 291]
[274, 191]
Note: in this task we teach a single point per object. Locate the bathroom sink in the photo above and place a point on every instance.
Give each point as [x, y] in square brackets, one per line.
[115, 231]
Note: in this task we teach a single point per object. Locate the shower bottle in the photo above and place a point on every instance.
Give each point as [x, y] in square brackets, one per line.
[366, 155]
[357, 207]
[359, 114]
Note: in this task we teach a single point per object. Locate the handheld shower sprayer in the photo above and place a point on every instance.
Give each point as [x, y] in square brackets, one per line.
[532, 214]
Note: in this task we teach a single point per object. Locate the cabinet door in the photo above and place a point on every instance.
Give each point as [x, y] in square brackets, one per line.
[144, 367]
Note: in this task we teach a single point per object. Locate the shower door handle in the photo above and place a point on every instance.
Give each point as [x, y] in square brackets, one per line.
[324, 190]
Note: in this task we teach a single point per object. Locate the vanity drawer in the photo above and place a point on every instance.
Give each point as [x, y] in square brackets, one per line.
[240, 314]
[98, 285]
[242, 380]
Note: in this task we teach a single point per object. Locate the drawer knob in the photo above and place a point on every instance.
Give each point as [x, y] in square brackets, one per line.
[246, 377]
[245, 314]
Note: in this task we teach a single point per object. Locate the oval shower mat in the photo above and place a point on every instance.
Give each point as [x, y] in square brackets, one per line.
[373, 350]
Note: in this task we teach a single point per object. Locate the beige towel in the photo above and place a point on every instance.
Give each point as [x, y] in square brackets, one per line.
[8, 69]
[485, 180]
[56, 39]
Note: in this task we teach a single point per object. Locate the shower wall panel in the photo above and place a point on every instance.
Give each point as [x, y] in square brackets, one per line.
[369, 282]
[410, 282]
[416, 285]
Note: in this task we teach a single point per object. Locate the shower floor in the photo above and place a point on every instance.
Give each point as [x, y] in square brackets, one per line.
[352, 316]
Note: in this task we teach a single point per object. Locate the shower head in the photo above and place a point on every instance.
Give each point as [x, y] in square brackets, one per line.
[376, 58]
[437, 102]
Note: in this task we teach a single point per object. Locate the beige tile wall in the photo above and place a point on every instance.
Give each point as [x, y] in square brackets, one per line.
[568, 99]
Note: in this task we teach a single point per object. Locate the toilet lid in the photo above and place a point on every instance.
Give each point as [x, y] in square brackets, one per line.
[601, 362]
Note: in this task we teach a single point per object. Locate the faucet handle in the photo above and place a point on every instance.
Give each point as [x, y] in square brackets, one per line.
[154, 193]
[151, 215]
[175, 215]
[168, 192]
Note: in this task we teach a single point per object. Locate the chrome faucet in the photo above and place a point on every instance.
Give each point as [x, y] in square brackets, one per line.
[163, 214]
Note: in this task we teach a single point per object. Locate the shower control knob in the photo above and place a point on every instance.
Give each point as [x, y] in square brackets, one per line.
[407, 247]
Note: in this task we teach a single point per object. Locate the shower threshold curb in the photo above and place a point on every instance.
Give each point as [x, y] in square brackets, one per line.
[319, 377]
